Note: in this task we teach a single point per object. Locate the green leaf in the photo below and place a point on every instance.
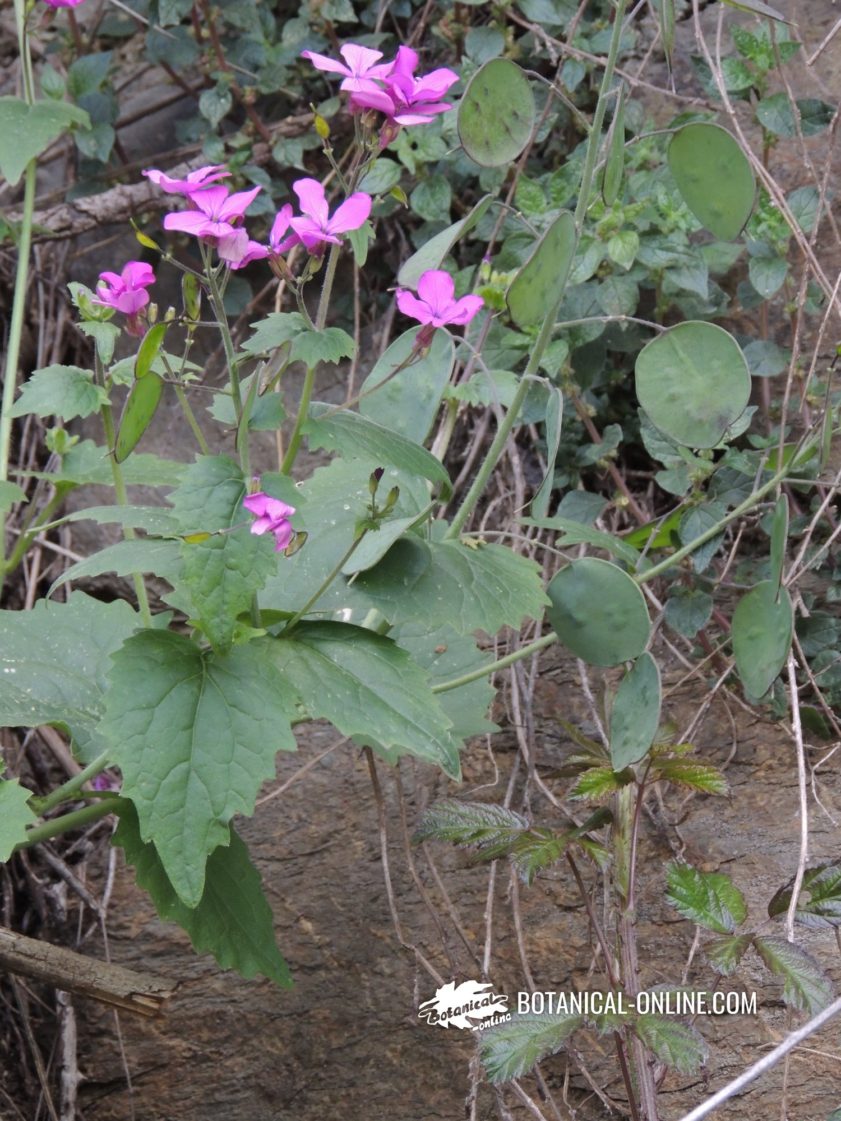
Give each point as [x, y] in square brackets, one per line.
[63, 391]
[357, 437]
[676, 1045]
[407, 402]
[725, 951]
[444, 655]
[142, 555]
[86, 462]
[540, 283]
[152, 519]
[105, 337]
[53, 665]
[709, 899]
[511, 1050]
[10, 493]
[635, 715]
[666, 16]
[307, 346]
[232, 921]
[695, 776]
[714, 177]
[470, 823]
[365, 685]
[767, 274]
[496, 114]
[598, 612]
[195, 735]
[467, 586]
[777, 115]
[765, 359]
[762, 628]
[623, 247]
[554, 424]
[577, 533]
[215, 103]
[432, 199]
[688, 610]
[380, 177]
[221, 574]
[15, 816]
[615, 161]
[806, 987]
[28, 130]
[757, 8]
[822, 908]
[437, 249]
[140, 407]
[779, 538]
[693, 382]
[598, 783]
[537, 849]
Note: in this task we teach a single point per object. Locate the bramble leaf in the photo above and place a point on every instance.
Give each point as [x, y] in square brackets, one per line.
[512, 1049]
[806, 987]
[676, 1045]
[697, 776]
[725, 951]
[470, 823]
[823, 907]
[709, 899]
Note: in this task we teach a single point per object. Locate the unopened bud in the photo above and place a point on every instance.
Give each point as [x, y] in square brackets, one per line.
[322, 128]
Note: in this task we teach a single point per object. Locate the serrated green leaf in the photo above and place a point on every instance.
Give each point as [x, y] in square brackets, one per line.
[15, 816]
[805, 985]
[307, 346]
[152, 519]
[511, 1050]
[676, 1045]
[709, 899]
[537, 849]
[822, 908]
[63, 391]
[195, 735]
[725, 951]
[28, 130]
[697, 776]
[143, 555]
[86, 462]
[53, 665]
[365, 685]
[635, 715]
[470, 823]
[356, 437]
[598, 783]
[232, 921]
[407, 402]
[105, 337]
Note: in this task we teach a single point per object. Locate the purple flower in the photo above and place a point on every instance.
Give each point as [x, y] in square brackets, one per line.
[63, 3]
[436, 305]
[277, 242]
[362, 64]
[238, 250]
[196, 180]
[126, 292]
[272, 517]
[405, 100]
[316, 228]
[215, 216]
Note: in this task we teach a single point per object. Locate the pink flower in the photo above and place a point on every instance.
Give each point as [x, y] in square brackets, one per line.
[272, 517]
[405, 100]
[196, 180]
[277, 242]
[362, 64]
[126, 292]
[238, 250]
[215, 216]
[316, 228]
[63, 3]
[436, 305]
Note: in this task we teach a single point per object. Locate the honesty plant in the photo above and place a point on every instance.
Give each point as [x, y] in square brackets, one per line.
[126, 292]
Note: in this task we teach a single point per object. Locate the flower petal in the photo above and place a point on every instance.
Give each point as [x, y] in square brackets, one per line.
[362, 60]
[323, 62]
[235, 205]
[463, 310]
[351, 214]
[436, 287]
[311, 200]
[410, 305]
[138, 274]
[189, 222]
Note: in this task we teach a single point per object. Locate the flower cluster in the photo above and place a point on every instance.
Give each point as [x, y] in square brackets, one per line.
[215, 216]
[391, 88]
[126, 292]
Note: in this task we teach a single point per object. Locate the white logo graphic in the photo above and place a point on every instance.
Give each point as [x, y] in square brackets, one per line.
[468, 1006]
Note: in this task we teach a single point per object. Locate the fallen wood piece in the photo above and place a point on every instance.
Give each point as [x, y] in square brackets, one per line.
[143, 993]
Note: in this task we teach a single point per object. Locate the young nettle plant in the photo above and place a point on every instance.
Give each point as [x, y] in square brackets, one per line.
[330, 596]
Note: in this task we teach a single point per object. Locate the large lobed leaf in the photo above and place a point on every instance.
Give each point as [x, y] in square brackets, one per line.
[53, 665]
[232, 921]
[365, 685]
[195, 735]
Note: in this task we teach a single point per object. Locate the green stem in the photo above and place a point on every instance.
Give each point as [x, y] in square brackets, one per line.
[296, 618]
[501, 663]
[122, 500]
[217, 303]
[300, 421]
[31, 529]
[190, 417]
[743, 507]
[66, 822]
[63, 792]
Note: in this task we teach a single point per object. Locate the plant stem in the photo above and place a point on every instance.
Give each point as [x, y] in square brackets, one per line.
[63, 792]
[74, 820]
[190, 417]
[217, 303]
[122, 500]
[296, 618]
[501, 663]
[300, 421]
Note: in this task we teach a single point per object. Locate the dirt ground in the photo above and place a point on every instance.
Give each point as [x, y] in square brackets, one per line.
[346, 1041]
